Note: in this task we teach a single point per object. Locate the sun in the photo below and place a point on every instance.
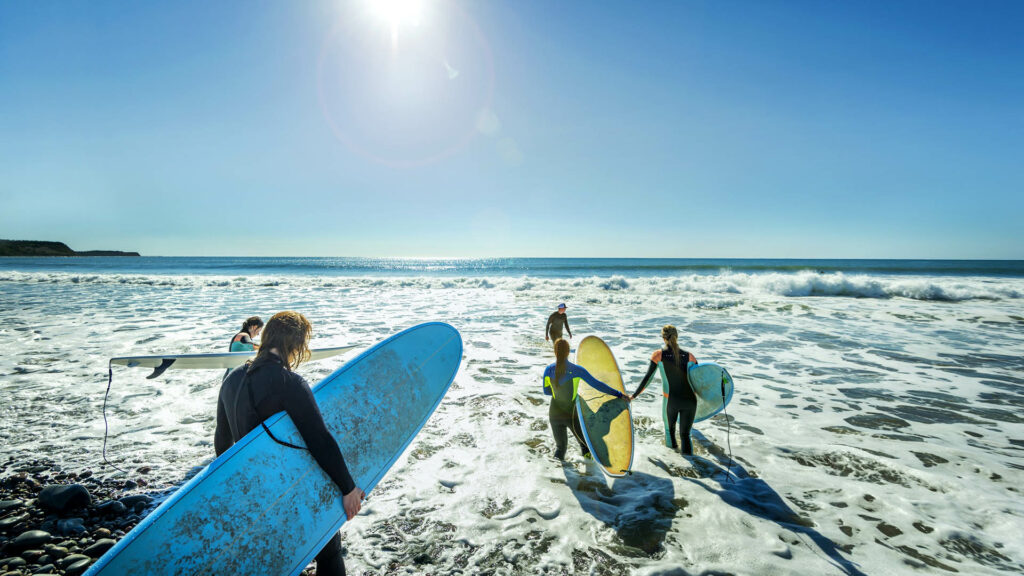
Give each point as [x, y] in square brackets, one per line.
[397, 13]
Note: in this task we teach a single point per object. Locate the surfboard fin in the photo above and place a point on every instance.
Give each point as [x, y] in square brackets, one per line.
[161, 368]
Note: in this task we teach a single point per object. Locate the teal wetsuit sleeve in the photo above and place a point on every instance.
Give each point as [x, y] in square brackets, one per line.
[647, 378]
[549, 372]
[595, 383]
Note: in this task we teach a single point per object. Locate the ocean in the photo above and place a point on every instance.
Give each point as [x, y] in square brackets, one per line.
[876, 426]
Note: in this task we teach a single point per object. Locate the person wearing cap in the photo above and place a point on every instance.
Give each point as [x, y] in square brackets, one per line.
[557, 321]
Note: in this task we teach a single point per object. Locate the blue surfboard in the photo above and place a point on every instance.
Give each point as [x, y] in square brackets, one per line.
[263, 508]
[712, 385]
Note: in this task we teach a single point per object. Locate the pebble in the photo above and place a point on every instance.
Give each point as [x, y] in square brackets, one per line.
[132, 501]
[70, 525]
[32, 555]
[78, 567]
[10, 521]
[55, 552]
[99, 547]
[72, 559]
[47, 569]
[6, 504]
[28, 539]
[13, 562]
[112, 508]
[61, 498]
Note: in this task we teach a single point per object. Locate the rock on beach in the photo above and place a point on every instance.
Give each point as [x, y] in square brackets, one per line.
[58, 522]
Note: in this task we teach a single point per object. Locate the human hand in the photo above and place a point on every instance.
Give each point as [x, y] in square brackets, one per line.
[353, 502]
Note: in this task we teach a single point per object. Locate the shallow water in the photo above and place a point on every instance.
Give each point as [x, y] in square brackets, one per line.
[876, 426]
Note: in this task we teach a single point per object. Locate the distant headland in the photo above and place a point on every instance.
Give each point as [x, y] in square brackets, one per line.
[39, 248]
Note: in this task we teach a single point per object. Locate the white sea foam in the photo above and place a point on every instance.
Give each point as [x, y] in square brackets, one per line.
[799, 284]
[876, 424]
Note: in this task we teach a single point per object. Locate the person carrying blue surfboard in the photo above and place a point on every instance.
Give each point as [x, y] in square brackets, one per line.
[267, 385]
[242, 341]
[561, 382]
[681, 402]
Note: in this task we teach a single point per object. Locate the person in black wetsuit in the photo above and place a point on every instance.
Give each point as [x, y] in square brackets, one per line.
[242, 341]
[561, 382]
[557, 321]
[267, 385]
[682, 402]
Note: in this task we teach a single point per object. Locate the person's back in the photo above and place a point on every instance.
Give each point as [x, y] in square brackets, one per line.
[255, 391]
[561, 382]
[679, 385]
[680, 404]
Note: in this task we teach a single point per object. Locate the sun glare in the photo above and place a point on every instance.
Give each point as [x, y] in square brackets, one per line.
[398, 13]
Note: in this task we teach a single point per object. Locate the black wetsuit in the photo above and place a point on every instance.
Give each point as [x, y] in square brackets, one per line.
[682, 402]
[273, 389]
[556, 322]
[561, 421]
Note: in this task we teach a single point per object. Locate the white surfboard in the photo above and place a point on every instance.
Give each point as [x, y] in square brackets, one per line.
[223, 360]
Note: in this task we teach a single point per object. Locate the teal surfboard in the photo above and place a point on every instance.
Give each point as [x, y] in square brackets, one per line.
[263, 508]
[712, 385]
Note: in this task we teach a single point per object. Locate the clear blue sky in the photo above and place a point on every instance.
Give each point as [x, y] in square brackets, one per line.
[516, 128]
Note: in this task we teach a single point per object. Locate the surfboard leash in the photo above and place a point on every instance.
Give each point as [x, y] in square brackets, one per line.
[728, 432]
[106, 426]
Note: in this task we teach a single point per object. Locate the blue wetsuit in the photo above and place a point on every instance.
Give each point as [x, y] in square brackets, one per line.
[562, 412]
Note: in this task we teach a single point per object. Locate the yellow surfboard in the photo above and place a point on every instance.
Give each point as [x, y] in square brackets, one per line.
[607, 421]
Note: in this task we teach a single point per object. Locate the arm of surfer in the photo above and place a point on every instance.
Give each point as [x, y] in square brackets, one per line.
[302, 409]
[222, 436]
[565, 320]
[647, 377]
[601, 386]
[547, 329]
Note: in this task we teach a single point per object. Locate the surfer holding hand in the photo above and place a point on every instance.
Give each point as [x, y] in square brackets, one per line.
[243, 340]
[561, 382]
[557, 320]
[262, 387]
[681, 403]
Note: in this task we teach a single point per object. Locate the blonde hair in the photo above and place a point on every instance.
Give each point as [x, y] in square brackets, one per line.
[289, 333]
[671, 336]
[561, 358]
